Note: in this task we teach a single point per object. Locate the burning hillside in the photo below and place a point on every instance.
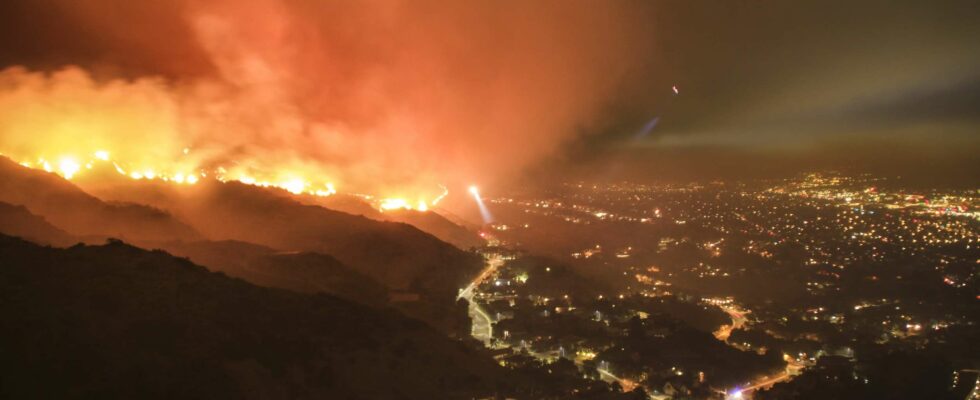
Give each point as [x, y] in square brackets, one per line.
[301, 96]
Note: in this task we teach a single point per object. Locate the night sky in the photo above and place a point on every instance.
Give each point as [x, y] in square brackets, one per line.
[888, 86]
[761, 85]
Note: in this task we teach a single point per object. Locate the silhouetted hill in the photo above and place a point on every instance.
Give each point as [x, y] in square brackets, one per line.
[19, 221]
[438, 226]
[397, 255]
[302, 271]
[426, 272]
[68, 207]
[115, 321]
[430, 222]
[346, 203]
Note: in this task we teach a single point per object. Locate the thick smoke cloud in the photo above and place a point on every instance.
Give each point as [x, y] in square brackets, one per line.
[386, 97]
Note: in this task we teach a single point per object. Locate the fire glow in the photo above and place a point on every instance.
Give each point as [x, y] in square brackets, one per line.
[71, 167]
[352, 106]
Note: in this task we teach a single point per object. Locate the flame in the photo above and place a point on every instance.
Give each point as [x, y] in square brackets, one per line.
[400, 203]
[268, 93]
[70, 167]
[294, 186]
[394, 204]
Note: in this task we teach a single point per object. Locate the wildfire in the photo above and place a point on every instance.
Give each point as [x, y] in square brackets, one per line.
[394, 204]
[401, 203]
[398, 203]
[70, 167]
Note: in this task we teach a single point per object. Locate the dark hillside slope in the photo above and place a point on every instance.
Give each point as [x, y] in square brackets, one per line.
[68, 207]
[430, 222]
[297, 271]
[116, 321]
[438, 226]
[398, 255]
[19, 221]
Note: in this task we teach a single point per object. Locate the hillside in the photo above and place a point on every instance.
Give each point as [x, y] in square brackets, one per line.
[346, 203]
[430, 222]
[117, 321]
[400, 257]
[260, 265]
[18, 221]
[438, 226]
[68, 207]
[300, 272]
[397, 255]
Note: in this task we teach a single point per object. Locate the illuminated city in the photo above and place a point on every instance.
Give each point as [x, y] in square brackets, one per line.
[698, 253]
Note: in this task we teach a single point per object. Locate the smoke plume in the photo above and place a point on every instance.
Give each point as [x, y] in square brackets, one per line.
[385, 97]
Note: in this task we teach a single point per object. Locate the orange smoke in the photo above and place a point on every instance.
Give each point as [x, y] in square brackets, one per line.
[389, 98]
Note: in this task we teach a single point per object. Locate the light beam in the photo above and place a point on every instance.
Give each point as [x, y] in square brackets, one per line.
[484, 212]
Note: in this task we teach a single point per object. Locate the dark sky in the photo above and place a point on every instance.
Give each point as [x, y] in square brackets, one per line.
[773, 86]
[764, 86]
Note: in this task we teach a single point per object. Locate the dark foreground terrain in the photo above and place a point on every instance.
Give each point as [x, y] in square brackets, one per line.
[118, 321]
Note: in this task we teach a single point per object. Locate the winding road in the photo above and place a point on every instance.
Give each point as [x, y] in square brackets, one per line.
[482, 324]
